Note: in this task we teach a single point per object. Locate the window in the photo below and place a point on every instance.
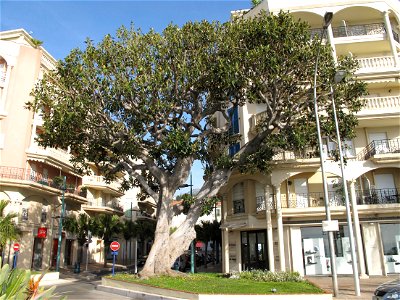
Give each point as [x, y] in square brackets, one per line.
[238, 199]
[24, 215]
[234, 129]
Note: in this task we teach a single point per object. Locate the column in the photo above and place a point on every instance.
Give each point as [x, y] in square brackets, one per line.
[389, 32]
[270, 237]
[225, 250]
[279, 225]
[238, 250]
[381, 251]
[357, 231]
[329, 33]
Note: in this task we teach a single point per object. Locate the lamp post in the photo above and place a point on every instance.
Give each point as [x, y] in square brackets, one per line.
[60, 225]
[327, 21]
[192, 262]
[338, 77]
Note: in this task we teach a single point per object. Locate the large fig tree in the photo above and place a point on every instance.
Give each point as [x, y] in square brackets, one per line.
[150, 104]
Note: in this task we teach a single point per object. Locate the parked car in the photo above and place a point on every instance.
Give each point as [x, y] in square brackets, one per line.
[388, 291]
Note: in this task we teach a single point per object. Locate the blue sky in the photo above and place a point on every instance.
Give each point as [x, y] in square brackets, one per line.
[64, 25]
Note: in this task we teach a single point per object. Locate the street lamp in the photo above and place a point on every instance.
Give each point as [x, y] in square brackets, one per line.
[338, 78]
[60, 225]
[327, 21]
[192, 242]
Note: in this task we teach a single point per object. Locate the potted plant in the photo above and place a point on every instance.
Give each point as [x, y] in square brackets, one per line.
[83, 191]
[58, 182]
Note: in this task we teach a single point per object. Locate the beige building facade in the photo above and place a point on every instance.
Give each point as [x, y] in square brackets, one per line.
[31, 176]
[274, 221]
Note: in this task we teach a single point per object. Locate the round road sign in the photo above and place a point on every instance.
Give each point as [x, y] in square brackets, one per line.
[16, 247]
[114, 246]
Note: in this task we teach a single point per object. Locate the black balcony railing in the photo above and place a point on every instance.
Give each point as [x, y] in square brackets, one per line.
[359, 30]
[260, 202]
[396, 36]
[379, 147]
[378, 196]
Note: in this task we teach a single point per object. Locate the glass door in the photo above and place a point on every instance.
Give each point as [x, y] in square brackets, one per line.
[37, 256]
[254, 251]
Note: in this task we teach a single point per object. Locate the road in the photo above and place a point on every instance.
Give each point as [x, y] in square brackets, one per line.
[82, 290]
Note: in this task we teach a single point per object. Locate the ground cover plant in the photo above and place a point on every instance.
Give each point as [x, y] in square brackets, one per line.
[212, 283]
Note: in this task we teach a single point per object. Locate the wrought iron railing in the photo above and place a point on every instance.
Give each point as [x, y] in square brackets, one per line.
[359, 30]
[36, 176]
[396, 36]
[260, 202]
[314, 199]
[379, 147]
[378, 196]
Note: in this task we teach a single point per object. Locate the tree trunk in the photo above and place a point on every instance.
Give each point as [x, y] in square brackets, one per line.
[205, 255]
[166, 248]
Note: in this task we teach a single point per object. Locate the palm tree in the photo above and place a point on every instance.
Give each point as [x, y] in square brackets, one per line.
[106, 226]
[80, 227]
[8, 229]
[129, 230]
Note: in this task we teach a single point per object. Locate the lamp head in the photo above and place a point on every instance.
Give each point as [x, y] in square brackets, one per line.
[327, 19]
[339, 76]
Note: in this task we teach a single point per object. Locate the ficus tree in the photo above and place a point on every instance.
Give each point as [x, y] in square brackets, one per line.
[150, 104]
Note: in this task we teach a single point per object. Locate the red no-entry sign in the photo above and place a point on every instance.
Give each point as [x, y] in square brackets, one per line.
[16, 247]
[114, 246]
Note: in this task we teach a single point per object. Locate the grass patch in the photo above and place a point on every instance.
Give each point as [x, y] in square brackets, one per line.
[212, 283]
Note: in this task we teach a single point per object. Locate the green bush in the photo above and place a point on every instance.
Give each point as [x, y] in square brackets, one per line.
[268, 276]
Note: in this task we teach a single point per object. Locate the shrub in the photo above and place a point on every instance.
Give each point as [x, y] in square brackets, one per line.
[281, 276]
[18, 284]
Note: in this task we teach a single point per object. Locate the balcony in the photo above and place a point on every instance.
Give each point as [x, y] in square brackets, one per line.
[381, 150]
[100, 206]
[315, 199]
[384, 103]
[51, 156]
[359, 30]
[19, 177]
[377, 64]
[99, 183]
[378, 196]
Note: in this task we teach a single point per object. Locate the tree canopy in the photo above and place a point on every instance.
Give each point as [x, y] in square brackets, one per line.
[150, 104]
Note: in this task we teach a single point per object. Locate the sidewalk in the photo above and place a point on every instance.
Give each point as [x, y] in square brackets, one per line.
[346, 285]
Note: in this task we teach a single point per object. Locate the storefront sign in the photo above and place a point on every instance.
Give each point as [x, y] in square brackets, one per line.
[332, 225]
[42, 232]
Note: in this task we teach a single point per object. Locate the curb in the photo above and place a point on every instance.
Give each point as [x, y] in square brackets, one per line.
[133, 294]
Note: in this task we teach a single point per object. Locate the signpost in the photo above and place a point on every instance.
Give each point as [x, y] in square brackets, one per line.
[16, 251]
[114, 246]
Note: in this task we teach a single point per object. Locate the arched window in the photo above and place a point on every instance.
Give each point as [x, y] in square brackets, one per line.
[238, 199]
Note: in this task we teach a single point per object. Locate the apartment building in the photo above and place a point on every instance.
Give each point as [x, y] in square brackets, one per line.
[274, 221]
[31, 177]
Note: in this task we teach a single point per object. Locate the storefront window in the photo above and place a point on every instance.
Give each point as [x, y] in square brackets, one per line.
[391, 246]
[317, 254]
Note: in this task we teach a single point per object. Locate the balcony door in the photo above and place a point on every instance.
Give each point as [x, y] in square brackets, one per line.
[380, 142]
[385, 188]
[301, 190]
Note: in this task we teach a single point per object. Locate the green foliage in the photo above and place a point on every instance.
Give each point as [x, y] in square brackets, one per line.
[17, 284]
[36, 42]
[268, 276]
[255, 2]
[8, 229]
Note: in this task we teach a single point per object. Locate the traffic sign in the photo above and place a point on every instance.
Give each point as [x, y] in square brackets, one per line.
[114, 246]
[16, 247]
